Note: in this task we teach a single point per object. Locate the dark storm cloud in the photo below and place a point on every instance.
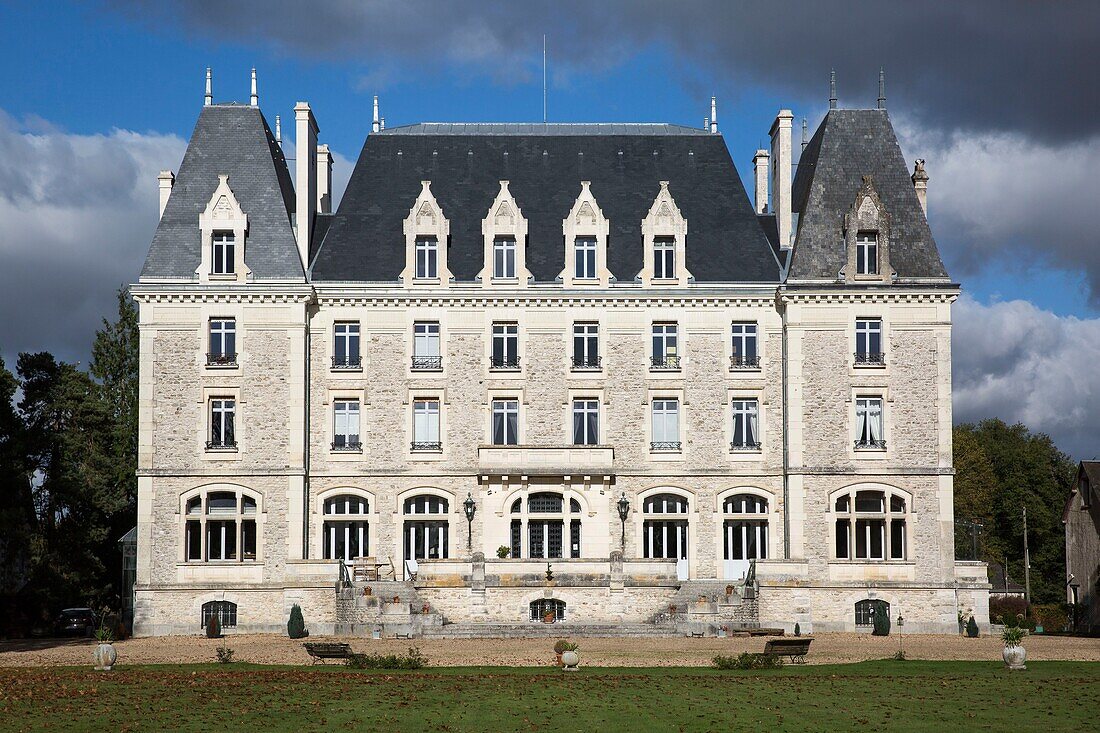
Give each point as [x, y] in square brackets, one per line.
[980, 64]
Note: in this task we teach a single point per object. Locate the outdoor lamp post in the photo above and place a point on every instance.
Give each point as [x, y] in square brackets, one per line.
[469, 508]
[624, 508]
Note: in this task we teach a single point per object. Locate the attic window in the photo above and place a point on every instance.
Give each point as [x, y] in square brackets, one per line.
[224, 243]
[427, 258]
[867, 253]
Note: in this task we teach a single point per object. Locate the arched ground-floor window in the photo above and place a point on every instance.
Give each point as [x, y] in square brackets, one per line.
[346, 530]
[220, 525]
[871, 525]
[744, 533]
[424, 537]
[665, 527]
[226, 611]
[550, 531]
[866, 610]
[547, 608]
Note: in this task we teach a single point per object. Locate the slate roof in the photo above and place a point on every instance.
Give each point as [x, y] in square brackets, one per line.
[236, 140]
[848, 145]
[544, 165]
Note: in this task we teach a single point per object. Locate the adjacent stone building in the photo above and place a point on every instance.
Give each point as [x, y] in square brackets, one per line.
[1081, 516]
[534, 373]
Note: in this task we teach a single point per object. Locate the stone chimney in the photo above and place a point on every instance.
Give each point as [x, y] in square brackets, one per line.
[713, 116]
[920, 184]
[324, 179]
[781, 175]
[305, 177]
[375, 124]
[760, 169]
[167, 179]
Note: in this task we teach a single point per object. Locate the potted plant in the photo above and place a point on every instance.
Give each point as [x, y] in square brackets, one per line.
[569, 657]
[504, 551]
[1014, 653]
[559, 648]
[548, 617]
[729, 591]
[104, 654]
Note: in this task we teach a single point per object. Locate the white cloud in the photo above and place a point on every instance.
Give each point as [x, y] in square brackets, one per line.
[1014, 361]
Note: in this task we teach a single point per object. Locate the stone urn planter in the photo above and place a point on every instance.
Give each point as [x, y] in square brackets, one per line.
[570, 660]
[104, 656]
[1014, 653]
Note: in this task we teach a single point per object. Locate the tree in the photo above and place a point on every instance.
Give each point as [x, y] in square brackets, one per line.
[296, 626]
[114, 364]
[16, 505]
[1028, 471]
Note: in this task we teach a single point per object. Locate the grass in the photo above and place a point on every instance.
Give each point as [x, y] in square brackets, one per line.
[883, 695]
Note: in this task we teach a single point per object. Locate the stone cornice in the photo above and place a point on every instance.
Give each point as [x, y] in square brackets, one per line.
[762, 297]
[251, 293]
[887, 294]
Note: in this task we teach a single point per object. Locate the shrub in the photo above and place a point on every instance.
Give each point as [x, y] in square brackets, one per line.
[899, 656]
[104, 634]
[797, 630]
[972, 628]
[1051, 616]
[748, 660]
[881, 620]
[224, 655]
[213, 627]
[296, 626]
[563, 645]
[1007, 606]
[504, 551]
[1013, 636]
[412, 660]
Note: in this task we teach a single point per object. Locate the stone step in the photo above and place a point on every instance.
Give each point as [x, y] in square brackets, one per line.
[552, 631]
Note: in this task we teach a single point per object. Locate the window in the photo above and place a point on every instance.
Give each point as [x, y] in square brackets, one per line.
[505, 346]
[224, 246]
[345, 347]
[225, 611]
[219, 523]
[427, 258]
[662, 536]
[867, 253]
[504, 257]
[426, 347]
[867, 609]
[548, 609]
[666, 425]
[744, 354]
[665, 354]
[869, 342]
[426, 538]
[543, 526]
[869, 423]
[870, 525]
[586, 422]
[346, 532]
[223, 412]
[745, 535]
[345, 429]
[745, 433]
[586, 346]
[505, 422]
[223, 342]
[426, 426]
[664, 258]
[584, 250]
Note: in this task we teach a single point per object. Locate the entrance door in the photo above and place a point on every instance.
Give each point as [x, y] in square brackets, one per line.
[744, 542]
[426, 540]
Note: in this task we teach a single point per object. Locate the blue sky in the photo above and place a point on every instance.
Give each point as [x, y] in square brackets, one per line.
[97, 97]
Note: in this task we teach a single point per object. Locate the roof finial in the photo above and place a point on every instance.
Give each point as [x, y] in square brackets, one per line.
[374, 126]
[209, 99]
[713, 115]
[278, 130]
[832, 89]
[255, 98]
[881, 88]
[805, 140]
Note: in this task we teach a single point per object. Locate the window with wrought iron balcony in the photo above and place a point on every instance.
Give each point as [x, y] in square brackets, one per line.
[345, 347]
[426, 353]
[426, 427]
[586, 347]
[665, 426]
[746, 429]
[505, 355]
[223, 343]
[869, 424]
[665, 342]
[869, 343]
[345, 427]
[223, 435]
[744, 356]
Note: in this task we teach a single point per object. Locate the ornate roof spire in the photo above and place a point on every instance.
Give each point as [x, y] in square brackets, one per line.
[254, 100]
[209, 98]
[713, 115]
[832, 89]
[278, 130]
[375, 125]
[805, 139]
[881, 88]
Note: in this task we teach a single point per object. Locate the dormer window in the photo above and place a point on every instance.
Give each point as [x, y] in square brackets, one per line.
[427, 258]
[224, 260]
[867, 253]
[585, 258]
[504, 257]
[664, 258]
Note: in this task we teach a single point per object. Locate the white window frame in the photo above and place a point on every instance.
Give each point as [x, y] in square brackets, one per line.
[504, 258]
[665, 346]
[507, 334]
[665, 424]
[427, 421]
[222, 333]
[746, 437]
[585, 408]
[346, 333]
[427, 347]
[586, 334]
[867, 253]
[585, 257]
[350, 524]
[870, 422]
[744, 345]
[504, 407]
[664, 258]
[426, 258]
[852, 521]
[223, 413]
[223, 244]
[868, 328]
[247, 508]
[346, 424]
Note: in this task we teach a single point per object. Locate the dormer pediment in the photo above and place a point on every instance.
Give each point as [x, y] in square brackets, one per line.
[663, 223]
[426, 221]
[867, 221]
[585, 221]
[223, 217]
[505, 221]
[426, 215]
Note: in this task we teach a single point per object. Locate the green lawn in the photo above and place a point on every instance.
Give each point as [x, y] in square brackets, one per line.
[886, 695]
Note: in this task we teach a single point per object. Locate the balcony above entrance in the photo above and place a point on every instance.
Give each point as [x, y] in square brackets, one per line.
[556, 460]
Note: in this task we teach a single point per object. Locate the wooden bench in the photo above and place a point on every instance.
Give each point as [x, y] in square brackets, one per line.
[794, 648]
[323, 651]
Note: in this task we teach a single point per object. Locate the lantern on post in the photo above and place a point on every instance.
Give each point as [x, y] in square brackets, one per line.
[624, 508]
[469, 508]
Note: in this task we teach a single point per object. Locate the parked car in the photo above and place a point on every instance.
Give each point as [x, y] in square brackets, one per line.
[80, 621]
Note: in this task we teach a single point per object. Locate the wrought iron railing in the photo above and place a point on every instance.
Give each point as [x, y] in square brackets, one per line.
[507, 362]
[870, 445]
[347, 362]
[347, 446]
[870, 358]
[658, 445]
[221, 445]
[739, 361]
[427, 363]
[421, 446]
[743, 446]
[222, 360]
[665, 362]
[586, 362]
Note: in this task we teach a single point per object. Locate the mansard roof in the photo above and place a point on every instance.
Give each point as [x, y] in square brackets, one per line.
[848, 145]
[233, 140]
[544, 165]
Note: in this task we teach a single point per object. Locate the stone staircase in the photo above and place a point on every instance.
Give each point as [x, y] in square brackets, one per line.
[535, 630]
[702, 607]
[358, 614]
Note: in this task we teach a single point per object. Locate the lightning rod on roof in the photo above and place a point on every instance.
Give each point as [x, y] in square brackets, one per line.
[881, 88]
[254, 98]
[832, 89]
[805, 140]
[209, 98]
[544, 78]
